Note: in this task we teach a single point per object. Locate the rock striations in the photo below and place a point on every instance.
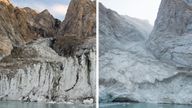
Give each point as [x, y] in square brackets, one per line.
[114, 30]
[171, 39]
[154, 69]
[80, 19]
[34, 66]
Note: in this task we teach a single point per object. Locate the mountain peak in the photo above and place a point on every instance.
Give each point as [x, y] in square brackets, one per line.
[45, 12]
[80, 14]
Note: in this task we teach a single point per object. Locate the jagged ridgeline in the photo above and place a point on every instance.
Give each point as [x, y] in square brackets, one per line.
[45, 59]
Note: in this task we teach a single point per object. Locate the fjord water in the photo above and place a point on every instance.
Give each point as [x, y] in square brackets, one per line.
[142, 105]
[13, 104]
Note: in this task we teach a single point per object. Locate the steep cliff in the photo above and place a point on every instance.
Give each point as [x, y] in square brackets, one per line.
[32, 68]
[170, 40]
[23, 25]
[80, 19]
[131, 72]
[116, 30]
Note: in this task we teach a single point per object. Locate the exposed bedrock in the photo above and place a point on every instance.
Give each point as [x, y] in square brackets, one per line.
[129, 71]
[36, 73]
[38, 62]
[170, 40]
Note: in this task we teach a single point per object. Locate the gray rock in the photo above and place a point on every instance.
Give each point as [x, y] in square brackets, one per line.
[30, 66]
[117, 31]
[170, 40]
[131, 73]
[36, 72]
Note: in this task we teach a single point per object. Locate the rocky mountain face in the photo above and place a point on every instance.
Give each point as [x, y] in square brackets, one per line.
[114, 30]
[141, 70]
[82, 22]
[170, 40]
[34, 66]
[21, 26]
[78, 30]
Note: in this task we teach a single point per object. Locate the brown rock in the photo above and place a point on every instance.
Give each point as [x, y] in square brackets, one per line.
[46, 25]
[80, 19]
[78, 30]
[23, 25]
[6, 46]
[7, 2]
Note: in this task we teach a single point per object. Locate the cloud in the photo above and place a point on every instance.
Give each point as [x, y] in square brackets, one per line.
[59, 9]
[142, 9]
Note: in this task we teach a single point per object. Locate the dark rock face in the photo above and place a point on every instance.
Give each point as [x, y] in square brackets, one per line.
[46, 25]
[67, 45]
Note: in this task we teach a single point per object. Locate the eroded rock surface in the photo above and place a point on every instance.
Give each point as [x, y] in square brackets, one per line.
[116, 30]
[170, 40]
[35, 67]
[80, 19]
[78, 30]
[131, 72]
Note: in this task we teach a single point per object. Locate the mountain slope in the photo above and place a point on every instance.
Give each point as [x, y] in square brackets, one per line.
[170, 40]
[113, 30]
[130, 72]
[33, 65]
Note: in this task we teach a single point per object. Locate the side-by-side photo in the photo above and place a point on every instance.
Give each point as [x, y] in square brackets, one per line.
[145, 54]
[47, 54]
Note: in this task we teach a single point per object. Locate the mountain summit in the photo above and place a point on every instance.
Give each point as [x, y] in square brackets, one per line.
[80, 19]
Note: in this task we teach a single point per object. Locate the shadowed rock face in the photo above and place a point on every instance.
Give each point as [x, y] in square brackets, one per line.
[38, 64]
[170, 40]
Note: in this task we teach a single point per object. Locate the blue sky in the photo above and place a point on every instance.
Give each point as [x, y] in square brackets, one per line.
[142, 9]
[57, 8]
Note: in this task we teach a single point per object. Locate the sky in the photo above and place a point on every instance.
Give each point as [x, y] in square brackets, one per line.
[57, 8]
[142, 9]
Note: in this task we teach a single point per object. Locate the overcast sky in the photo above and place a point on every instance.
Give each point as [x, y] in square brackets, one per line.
[57, 8]
[142, 9]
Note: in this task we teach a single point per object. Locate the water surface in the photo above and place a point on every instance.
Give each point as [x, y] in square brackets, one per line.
[13, 104]
[142, 105]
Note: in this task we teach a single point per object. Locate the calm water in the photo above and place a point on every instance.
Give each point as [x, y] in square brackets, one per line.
[40, 105]
[143, 105]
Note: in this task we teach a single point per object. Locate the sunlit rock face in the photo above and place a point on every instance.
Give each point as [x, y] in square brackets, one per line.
[80, 19]
[40, 65]
[5, 1]
[131, 72]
